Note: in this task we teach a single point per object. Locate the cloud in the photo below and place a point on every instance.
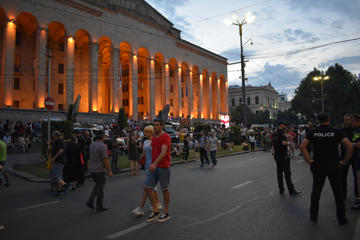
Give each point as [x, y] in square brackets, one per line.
[283, 78]
[298, 35]
[347, 62]
[349, 9]
[337, 24]
[233, 54]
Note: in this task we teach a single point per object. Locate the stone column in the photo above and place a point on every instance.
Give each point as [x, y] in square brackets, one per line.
[191, 97]
[179, 92]
[70, 54]
[116, 79]
[218, 99]
[134, 87]
[167, 84]
[40, 67]
[201, 86]
[226, 97]
[120, 83]
[152, 89]
[210, 116]
[93, 89]
[8, 64]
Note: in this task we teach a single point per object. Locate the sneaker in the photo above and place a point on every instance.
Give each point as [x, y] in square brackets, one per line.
[159, 206]
[164, 217]
[67, 188]
[138, 211]
[153, 216]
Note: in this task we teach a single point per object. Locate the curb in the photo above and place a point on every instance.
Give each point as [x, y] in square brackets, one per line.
[32, 178]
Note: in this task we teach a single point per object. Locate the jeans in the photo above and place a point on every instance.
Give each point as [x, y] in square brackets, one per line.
[283, 166]
[98, 190]
[213, 157]
[333, 173]
[114, 159]
[203, 154]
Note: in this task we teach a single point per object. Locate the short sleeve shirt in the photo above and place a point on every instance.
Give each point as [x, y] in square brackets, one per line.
[3, 149]
[278, 137]
[58, 145]
[98, 152]
[325, 142]
[156, 144]
[213, 143]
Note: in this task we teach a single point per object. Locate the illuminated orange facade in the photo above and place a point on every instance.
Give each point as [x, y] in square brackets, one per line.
[111, 59]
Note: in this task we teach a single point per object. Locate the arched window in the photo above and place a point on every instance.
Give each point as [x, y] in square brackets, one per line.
[233, 102]
[256, 100]
[240, 101]
[248, 101]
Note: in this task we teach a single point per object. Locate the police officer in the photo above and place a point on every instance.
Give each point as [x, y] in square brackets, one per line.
[348, 132]
[282, 159]
[355, 139]
[326, 163]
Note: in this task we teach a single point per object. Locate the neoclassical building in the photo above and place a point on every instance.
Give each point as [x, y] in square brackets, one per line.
[113, 53]
[258, 98]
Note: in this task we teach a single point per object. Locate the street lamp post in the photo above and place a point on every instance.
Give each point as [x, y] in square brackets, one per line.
[321, 78]
[248, 19]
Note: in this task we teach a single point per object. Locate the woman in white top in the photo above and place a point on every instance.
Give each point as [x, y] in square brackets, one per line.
[147, 152]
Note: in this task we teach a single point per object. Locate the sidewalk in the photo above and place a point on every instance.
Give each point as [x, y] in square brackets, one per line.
[34, 158]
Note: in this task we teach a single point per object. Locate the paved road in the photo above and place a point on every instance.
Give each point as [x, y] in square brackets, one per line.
[236, 200]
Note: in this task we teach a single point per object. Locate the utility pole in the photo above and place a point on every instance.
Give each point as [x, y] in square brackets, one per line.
[49, 56]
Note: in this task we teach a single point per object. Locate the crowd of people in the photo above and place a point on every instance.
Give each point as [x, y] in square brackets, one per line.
[329, 151]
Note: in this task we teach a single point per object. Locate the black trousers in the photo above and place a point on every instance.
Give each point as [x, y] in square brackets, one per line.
[4, 173]
[203, 155]
[283, 168]
[98, 190]
[345, 171]
[333, 173]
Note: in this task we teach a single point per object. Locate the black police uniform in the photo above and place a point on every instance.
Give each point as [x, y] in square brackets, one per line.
[348, 132]
[325, 140]
[282, 161]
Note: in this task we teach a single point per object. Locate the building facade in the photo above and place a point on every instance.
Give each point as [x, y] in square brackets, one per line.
[258, 99]
[113, 53]
[283, 102]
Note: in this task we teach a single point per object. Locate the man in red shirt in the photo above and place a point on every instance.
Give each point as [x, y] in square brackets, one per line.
[159, 171]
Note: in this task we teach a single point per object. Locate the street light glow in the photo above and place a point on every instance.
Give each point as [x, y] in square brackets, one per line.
[249, 18]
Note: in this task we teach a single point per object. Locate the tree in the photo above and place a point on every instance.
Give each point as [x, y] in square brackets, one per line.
[252, 118]
[289, 116]
[122, 119]
[340, 94]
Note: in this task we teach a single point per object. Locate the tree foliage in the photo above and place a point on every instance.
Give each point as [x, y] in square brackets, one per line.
[122, 119]
[252, 118]
[341, 93]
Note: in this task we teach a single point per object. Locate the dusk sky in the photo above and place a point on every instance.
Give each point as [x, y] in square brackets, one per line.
[281, 27]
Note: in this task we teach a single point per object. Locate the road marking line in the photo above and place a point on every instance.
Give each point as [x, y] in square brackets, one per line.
[242, 184]
[38, 205]
[129, 230]
[300, 161]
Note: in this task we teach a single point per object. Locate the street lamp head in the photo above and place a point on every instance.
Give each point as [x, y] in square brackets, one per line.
[326, 78]
[249, 18]
[316, 78]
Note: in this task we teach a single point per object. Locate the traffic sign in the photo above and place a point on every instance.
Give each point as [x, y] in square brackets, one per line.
[49, 103]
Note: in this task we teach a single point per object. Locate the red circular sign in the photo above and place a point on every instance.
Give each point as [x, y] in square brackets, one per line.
[49, 103]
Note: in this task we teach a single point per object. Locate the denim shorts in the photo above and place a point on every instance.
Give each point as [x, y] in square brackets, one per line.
[161, 175]
[56, 172]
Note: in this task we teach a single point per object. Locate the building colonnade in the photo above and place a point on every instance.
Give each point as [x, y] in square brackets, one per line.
[106, 76]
